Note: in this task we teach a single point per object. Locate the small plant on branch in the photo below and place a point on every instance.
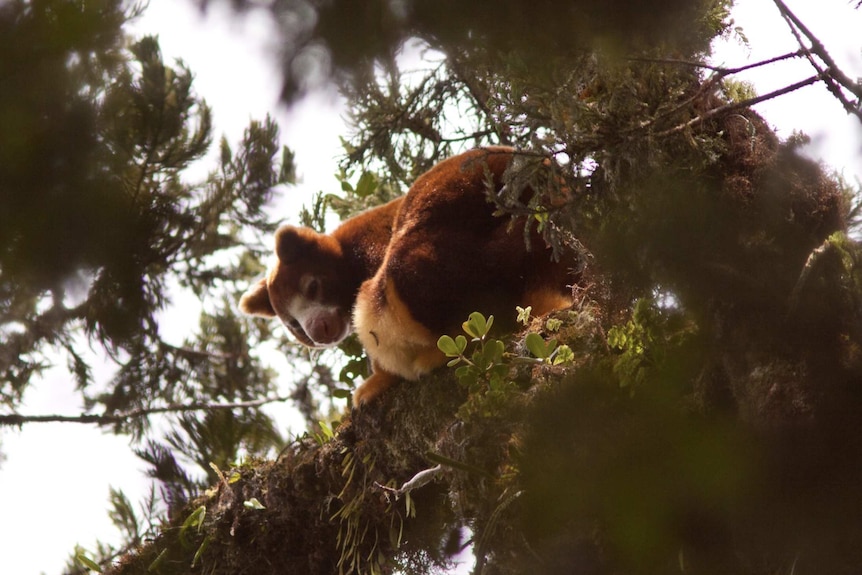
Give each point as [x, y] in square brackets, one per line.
[485, 363]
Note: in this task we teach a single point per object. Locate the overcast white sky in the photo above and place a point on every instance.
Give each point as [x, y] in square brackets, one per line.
[54, 483]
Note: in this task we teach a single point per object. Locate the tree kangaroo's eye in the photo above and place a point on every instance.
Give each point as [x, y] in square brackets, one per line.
[312, 290]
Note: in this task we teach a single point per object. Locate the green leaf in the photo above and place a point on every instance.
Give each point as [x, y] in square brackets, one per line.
[194, 521]
[196, 518]
[536, 345]
[327, 430]
[564, 355]
[82, 558]
[448, 346]
[480, 360]
[477, 326]
[461, 343]
[157, 562]
[341, 393]
[499, 348]
[366, 185]
[201, 549]
[492, 353]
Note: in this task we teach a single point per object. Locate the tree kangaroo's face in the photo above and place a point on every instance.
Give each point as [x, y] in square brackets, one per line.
[304, 289]
[299, 300]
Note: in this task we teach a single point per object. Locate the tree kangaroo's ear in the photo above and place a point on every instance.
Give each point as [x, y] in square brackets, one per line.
[292, 243]
[303, 244]
[256, 300]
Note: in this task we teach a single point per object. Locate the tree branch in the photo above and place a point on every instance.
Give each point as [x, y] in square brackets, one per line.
[736, 105]
[721, 71]
[831, 75]
[479, 94]
[709, 83]
[120, 417]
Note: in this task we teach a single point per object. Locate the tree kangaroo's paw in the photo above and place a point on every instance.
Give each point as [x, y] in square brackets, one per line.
[377, 383]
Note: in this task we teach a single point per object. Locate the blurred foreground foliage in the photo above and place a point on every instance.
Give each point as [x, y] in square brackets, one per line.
[102, 229]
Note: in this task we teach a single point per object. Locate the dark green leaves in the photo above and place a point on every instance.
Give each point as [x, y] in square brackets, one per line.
[109, 207]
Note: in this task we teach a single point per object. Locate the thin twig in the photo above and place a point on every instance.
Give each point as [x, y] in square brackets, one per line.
[479, 94]
[123, 416]
[736, 105]
[720, 70]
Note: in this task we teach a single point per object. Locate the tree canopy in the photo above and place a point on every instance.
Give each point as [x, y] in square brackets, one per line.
[98, 225]
[693, 412]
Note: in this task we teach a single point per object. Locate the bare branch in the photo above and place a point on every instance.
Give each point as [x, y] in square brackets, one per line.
[736, 105]
[13, 419]
[834, 78]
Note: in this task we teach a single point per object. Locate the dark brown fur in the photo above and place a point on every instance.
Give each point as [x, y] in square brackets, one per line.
[427, 261]
[449, 256]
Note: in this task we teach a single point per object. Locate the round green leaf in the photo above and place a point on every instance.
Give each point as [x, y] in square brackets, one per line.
[536, 345]
[461, 343]
[448, 346]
